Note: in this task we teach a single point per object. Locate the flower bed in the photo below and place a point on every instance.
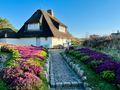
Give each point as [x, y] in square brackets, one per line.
[104, 65]
[25, 69]
[113, 52]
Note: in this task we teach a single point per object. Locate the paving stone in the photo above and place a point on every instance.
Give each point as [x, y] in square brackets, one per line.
[74, 83]
[59, 84]
[88, 88]
[85, 84]
[84, 78]
[67, 83]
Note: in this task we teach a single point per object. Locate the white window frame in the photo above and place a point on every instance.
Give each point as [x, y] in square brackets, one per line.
[34, 27]
[61, 28]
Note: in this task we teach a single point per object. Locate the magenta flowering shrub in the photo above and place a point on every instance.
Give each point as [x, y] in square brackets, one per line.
[30, 52]
[18, 79]
[27, 81]
[10, 74]
[31, 68]
[23, 69]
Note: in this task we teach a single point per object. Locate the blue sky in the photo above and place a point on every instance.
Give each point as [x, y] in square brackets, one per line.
[83, 17]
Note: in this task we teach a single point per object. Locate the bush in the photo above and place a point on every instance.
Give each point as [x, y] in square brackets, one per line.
[79, 55]
[108, 75]
[95, 63]
[82, 59]
[11, 63]
[20, 80]
[24, 66]
[28, 81]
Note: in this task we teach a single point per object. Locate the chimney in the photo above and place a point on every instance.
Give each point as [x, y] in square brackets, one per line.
[50, 11]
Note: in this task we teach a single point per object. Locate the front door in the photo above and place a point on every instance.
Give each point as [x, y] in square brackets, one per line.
[37, 41]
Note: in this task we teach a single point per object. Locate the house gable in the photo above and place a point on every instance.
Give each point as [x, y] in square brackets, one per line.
[44, 30]
[49, 26]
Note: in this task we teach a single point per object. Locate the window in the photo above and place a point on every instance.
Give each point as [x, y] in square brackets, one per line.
[34, 27]
[61, 28]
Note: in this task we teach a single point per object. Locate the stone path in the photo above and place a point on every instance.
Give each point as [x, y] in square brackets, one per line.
[62, 77]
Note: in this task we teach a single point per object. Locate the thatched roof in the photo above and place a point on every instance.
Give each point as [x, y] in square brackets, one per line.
[7, 33]
[50, 26]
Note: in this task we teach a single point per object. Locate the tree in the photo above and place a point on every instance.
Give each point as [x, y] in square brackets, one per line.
[4, 23]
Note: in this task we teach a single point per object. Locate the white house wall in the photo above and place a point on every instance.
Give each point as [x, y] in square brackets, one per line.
[21, 41]
[28, 41]
[46, 42]
[50, 42]
[60, 41]
[3, 40]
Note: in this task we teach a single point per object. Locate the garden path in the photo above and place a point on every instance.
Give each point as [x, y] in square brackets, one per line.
[62, 77]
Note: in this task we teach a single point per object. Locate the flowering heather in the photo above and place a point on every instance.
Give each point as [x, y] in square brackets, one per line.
[107, 65]
[94, 54]
[101, 62]
[28, 63]
[17, 78]
[10, 74]
[27, 81]
[28, 52]
[31, 68]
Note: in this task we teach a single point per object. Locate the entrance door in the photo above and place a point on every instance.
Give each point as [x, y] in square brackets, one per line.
[37, 41]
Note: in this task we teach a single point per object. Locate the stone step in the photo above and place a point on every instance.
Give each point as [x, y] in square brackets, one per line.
[67, 88]
[65, 84]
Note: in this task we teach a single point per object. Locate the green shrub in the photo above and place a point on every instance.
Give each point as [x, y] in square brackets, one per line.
[108, 75]
[95, 63]
[118, 86]
[3, 85]
[83, 58]
[71, 52]
[15, 54]
[44, 85]
[78, 55]
[11, 63]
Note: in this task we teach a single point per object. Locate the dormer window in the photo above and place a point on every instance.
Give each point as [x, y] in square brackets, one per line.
[61, 28]
[34, 27]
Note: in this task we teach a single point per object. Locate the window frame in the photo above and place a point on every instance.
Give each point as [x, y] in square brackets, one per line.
[62, 28]
[34, 26]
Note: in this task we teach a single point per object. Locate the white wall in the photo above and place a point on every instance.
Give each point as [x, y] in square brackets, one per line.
[46, 42]
[3, 40]
[50, 42]
[21, 41]
[60, 41]
[28, 41]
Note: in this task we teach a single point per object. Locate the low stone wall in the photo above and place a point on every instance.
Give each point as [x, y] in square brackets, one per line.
[78, 70]
[51, 76]
[2, 61]
[47, 70]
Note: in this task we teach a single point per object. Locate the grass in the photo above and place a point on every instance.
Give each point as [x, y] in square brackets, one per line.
[94, 80]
